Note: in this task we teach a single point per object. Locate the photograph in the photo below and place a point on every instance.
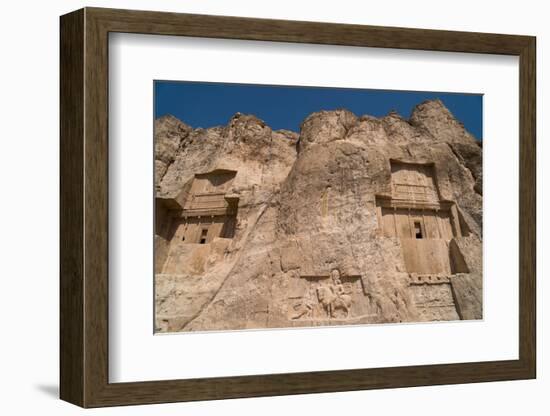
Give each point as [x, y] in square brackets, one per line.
[282, 206]
[315, 204]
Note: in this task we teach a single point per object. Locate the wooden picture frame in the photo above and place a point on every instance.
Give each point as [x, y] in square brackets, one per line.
[84, 207]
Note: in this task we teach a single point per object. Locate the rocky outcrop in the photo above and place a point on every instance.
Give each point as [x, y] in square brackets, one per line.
[354, 220]
[169, 133]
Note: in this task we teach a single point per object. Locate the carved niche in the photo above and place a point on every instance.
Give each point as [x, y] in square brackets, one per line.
[417, 215]
[208, 210]
[425, 225]
[203, 210]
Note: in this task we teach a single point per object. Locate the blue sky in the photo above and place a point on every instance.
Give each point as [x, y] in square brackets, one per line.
[203, 104]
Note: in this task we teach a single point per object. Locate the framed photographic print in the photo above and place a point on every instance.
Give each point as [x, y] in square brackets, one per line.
[255, 207]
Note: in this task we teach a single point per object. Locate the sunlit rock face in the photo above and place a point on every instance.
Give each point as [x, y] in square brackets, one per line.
[355, 220]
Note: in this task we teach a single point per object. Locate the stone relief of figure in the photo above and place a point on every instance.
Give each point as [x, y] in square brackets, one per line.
[332, 296]
[304, 308]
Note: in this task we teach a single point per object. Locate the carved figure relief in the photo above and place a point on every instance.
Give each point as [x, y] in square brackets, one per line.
[333, 297]
[330, 297]
[303, 308]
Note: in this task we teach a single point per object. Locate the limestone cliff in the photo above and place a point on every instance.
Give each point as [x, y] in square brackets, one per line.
[354, 220]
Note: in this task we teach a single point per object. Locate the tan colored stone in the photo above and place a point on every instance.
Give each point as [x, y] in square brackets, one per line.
[355, 220]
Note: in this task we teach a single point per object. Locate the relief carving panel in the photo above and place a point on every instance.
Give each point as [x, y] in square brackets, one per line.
[329, 297]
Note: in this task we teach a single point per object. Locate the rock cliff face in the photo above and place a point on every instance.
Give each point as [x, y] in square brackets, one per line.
[355, 220]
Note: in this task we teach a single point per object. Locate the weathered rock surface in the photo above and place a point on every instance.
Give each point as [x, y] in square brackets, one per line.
[354, 220]
[169, 132]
